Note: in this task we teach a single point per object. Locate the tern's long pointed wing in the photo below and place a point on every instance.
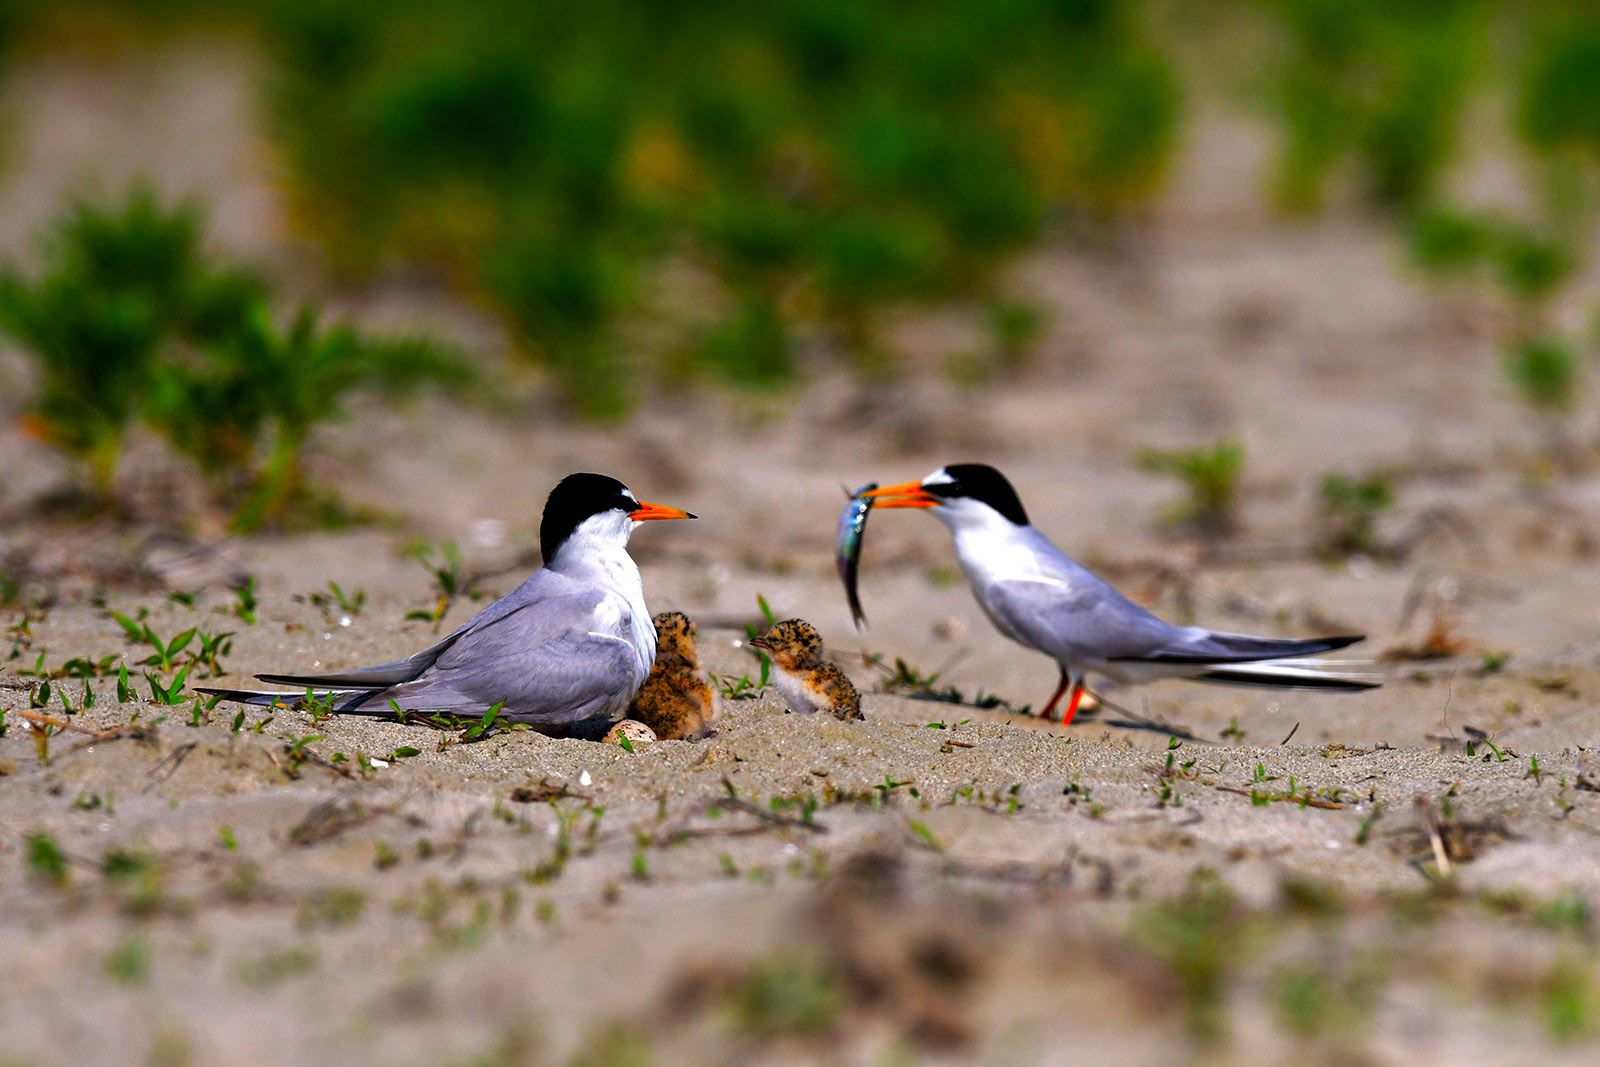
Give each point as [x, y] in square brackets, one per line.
[384, 674]
[1195, 645]
[1076, 622]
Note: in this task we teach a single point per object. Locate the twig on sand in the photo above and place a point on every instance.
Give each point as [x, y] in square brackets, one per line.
[329, 819]
[1285, 798]
[544, 791]
[1441, 857]
[732, 802]
[169, 765]
[97, 735]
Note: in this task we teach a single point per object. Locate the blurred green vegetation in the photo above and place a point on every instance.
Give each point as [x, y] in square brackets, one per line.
[129, 320]
[816, 159]
[1210, 476]
[657, 193]
[1379, 82]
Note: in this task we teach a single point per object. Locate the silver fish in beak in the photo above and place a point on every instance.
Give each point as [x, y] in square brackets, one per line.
[847, 546]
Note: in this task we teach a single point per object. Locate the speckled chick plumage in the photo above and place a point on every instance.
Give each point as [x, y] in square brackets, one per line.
[807, 683]
[676, 700]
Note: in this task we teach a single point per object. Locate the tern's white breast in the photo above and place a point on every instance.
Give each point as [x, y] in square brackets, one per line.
[596, 553]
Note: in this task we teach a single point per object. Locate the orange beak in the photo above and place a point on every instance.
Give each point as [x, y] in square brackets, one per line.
[657, 511]
[904, 495]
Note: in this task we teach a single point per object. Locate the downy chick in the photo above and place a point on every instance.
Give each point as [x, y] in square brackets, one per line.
[676, 700]
[806, 683]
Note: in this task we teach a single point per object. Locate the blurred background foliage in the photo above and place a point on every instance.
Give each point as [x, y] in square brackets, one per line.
[814, 159]
[130, 322]
[654, 193]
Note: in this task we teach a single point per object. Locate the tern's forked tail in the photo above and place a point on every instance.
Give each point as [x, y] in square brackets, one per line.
[1331, 675]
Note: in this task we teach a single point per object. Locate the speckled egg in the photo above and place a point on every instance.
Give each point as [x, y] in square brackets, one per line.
[635, 731]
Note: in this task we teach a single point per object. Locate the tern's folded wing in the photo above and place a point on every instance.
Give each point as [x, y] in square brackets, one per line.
[401, 670]
[543, 587]
[542, 661]
[1076, 622]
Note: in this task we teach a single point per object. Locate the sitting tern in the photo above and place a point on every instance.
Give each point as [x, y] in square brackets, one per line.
[571, 645]
[1042, 599]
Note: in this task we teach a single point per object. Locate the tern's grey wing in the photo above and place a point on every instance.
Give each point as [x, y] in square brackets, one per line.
[542, 659]
[401, 670]
[1076, 622]
[540, 584]
[576, 677]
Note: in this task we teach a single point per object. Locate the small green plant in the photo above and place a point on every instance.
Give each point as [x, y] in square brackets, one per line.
[45, 860]
[450, 578]
[786, 996]
[296, 751]
[1347, 513]
[164, 658]
[128, 962]
[614, 1045]
[743, 688]
[169, 693]
[335, 598]
[1569, 999]
[1547, 371]
[1015, 328]
[482, 728]
[276, 966]
[332, 907]
[244, 600]
[740, 688]
[1210, 477]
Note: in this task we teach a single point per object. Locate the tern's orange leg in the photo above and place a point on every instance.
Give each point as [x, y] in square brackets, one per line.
[1066, 680]
[1072, 705]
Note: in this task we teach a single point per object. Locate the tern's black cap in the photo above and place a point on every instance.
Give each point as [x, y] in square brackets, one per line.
[575, 498]
[981, 482]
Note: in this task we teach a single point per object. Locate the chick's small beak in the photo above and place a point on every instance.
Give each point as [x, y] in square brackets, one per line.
[657, 511]
[904, 495]
[761, 643]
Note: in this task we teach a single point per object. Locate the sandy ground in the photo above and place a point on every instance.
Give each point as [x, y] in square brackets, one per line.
[990, 889]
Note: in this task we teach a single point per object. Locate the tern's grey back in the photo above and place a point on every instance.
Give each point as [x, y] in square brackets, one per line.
[1069, 612]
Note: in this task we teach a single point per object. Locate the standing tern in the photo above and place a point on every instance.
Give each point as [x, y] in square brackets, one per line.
[1042, 599]
[571, 645]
